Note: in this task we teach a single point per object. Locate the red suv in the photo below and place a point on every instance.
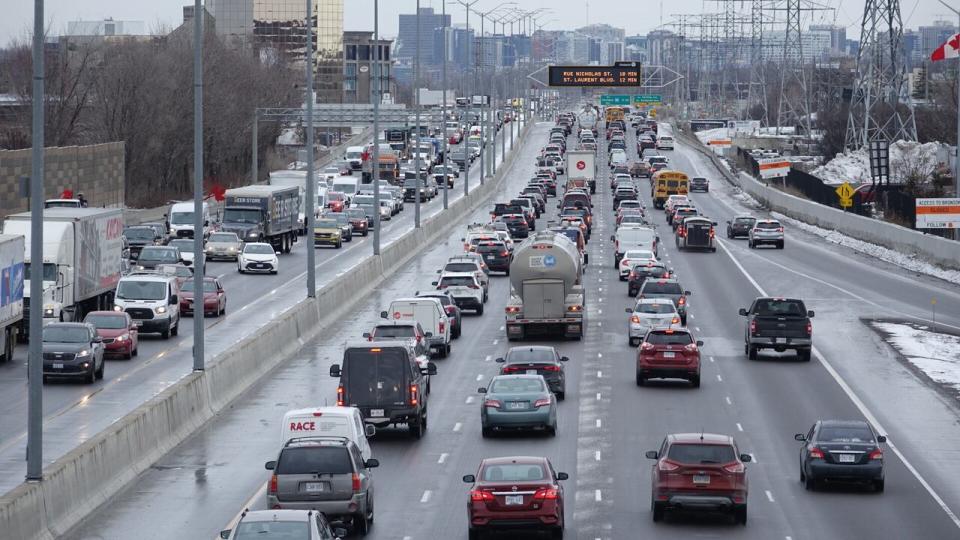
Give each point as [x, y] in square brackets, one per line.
[515, 493]
[699, 471]
[669, 353]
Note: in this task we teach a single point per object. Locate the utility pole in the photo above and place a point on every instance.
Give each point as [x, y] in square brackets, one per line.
[758, 67]
[311, 183]
[416, 105]
[198, 262]
[956, 160]
[794, 104]
[443, 122]
[464, 149]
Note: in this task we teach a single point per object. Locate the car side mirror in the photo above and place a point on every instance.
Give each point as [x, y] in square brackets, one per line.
[699, 344]
[428, 334]
[563, 476]
[714, 223]
[481, 390]
[371, 463]
[438, 271]
[564, 359]
[629, 310]
[225, 534]
[186, 262]
[652, 454]
[431, 369]
[270, 465]
[810, 313]
[367, 335]
[743, 312]
[728, 222]
[98, 339]
[469, 478]
[335, 370]
[434, 283]
[800, 437]
[500, 360]
[383, 314]
[369, 430]
[340, 532]
[687, 293]
[746, 458]
[881, 438]
[174, 299]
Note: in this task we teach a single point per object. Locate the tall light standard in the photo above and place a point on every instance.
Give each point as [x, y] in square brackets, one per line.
[463, 143]
[515, 16]
[416, 105]
[198, 262]
[484, 108]
[311, 184]
[443, 107]
[375, 164]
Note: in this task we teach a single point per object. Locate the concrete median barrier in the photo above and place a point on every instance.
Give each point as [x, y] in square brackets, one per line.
[78, 483]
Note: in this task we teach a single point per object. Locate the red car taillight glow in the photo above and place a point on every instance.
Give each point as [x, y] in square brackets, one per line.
[492, 403]
[356, 483]
[876, 454]
[546, 494]
[735, 468]
[478, 495]
[753, 328]
[340, 400]
[667, 465]
[272, 488]
[809, 328]
[816, 453]
[413, 394]
[646, 346]
[543, 402]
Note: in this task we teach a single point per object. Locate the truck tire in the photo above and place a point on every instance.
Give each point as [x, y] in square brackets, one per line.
[165, 334]
[751, 352]
[804, 355]
[175, 329]
[480, 309]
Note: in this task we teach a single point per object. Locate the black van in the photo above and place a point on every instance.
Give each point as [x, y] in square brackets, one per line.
[384, 381]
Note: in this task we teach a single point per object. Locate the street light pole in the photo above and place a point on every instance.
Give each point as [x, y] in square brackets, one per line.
[198, 262]
[416, 101]
[375, 164]
[311, 184]
[464, 147]
[443, 110]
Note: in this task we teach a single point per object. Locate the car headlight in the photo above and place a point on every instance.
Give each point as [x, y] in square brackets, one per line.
[161, 310]
[140, 267]
[48, 310]
[252, 234]
[124, 337]
[83, 353]
[231, 248]
[117, 308]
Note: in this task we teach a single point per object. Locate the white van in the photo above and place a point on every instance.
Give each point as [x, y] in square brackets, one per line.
[354, 155]
[430, 314]
[630, 238]
[180, 220]
[347, 185]
[328, 422]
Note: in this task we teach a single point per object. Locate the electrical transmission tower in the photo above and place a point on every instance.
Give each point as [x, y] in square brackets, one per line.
[757, 94]
[880, 109]
[794, 106]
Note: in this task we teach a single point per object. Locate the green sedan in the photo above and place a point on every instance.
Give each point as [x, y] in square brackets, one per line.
[518, 402]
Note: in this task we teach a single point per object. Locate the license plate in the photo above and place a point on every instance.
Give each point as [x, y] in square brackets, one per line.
[531, 372]
[315, 487]
[701, 479]
[669, 354]
[511, 500]
[58, 366]
[781, 340]
[848, 458]
[517, 405]
[376, 413]
[139, 323]
[490, 257]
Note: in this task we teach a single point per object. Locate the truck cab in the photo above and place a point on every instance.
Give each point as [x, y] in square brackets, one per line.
[181, 220]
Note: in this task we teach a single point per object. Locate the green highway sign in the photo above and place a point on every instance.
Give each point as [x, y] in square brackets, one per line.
[614, 99]
[648, 98]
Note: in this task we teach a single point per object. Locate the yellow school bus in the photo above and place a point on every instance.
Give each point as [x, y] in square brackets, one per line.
[614, 113]
[666, 183]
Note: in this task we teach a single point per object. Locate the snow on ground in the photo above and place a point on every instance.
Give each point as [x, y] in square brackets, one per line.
[708, 135]
[904, 260]
[935, 354]
[854, 167]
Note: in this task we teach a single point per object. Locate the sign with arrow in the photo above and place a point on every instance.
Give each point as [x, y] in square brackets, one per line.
[845, 191]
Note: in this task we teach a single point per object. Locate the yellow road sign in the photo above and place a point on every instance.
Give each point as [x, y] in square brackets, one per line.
[846, 203]
[845, 191]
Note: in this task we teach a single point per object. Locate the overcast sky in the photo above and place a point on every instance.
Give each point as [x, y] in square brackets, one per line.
[637, 16]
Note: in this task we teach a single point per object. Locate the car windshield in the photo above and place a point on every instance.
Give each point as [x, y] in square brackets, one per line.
[238, 215]
[531, 355]
[669, 338]
[185, 246]
[326, 224]
[158, 254]
[107, 322]
[701, 453]
[637, 254]
[259, 249]
[272, 530]
[490, 248]
[744, 221]
[514, 472]
[394, 331]
[65, 334]
[845, 434]
[142, 290]
[770, 225]
[224, 237]
[144, 233]
[510, 386]
[780, 308]
[460, 267]
[315, 460]
[208, 286]
[456, 281]
[655, 308]
[181, 218]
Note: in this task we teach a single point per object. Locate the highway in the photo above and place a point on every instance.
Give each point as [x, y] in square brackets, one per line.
[607, 422]
[74, 412]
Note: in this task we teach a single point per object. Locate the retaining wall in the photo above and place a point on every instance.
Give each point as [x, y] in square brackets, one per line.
[79, 482]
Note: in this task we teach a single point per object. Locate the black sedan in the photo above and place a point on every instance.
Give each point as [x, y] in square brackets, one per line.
[537, 360]
[740, 225]
[496, 255]
[841, 451]
[641, 272]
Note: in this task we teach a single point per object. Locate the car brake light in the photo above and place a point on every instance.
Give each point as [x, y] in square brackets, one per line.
[492, 403]
[735, 468]
[340, 400]
[624, 262]
[635, 319]
[691, 347]
[575, 308]
[682, 301]
[544, 494]
[809, 328]
[667, 466]
[712, 232]
[681, 232]
[876, 454]
[816, 453]
[542, 402]
[356, 483]
[273, 484]
[753, 328]
[780, 230]
[551, 368]
[675, 320]
[512, 309]
[647, 346]
[413, 394]
[478, 495]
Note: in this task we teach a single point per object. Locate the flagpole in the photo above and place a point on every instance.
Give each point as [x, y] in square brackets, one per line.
[956, 157]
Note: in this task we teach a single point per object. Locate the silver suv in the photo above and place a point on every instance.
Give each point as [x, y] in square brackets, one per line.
[766, 231]
[326, 474]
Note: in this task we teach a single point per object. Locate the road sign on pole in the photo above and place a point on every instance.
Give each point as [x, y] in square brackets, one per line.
[614, 99]
[845, 191]
[938, 213]
[648, 98]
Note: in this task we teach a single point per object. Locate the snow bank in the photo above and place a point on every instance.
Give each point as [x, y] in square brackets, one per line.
[854, 167]
[708, 135]
[903, 260]
[937, 355]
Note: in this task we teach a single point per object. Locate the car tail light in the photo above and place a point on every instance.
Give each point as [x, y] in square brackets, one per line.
[450, 310]
[551, 368]
[356, 483]
[340, 400]
[753, 328]
[413, 394]
[780, 230]
[505, 254]
[542, 402]
[876, 454]
[478, 495]
[546, 494]
[272, 488]
[682, 301]
[691, 347]
[809, 328]
[624, 262]
[816, 453]
[735, 468]
[667, 465]
[575, 308]
[512, 309]
[443, 326]
[646, 346]
[634, 275]
[510, 369]
[712, 233]
[635, 319]
[681, 232]
[495, 403]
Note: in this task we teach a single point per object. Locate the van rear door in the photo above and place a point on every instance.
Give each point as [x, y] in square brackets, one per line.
[377, 378]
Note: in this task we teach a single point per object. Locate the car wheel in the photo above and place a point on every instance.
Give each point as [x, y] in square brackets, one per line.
[473, 534]
[552, 430]
[239, 269]
[809, 483]
[641, 380]
[486, 432]
[804, 355]
[557, 533]
[695, 381]
[750, 244]
[631, 292]
[740, 515]
[175, 330]
[751, 352]
[91, 377]
[562, 395]
[878, 486]
[416, 428]
[165, 334]
[780, 244]
[658, 511]
[634, 342]
[361, 524]
[99, 372]
[480, 309]
[136, 351]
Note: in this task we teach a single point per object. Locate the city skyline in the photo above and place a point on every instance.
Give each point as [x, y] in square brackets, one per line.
[565, 15]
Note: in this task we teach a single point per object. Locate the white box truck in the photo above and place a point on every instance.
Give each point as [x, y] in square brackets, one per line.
[81, 261]
[11, 292]
[582, 167]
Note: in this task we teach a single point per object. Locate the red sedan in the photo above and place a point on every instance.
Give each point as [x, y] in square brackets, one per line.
[214, 297]
[118, 331]
[512, 493]
[669, 353]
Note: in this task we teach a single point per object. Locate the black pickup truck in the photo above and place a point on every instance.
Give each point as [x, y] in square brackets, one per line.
[778, 324]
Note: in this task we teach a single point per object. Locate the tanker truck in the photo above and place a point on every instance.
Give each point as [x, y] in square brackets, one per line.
[546, 294]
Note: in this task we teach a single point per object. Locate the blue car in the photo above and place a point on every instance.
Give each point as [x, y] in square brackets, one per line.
[515, 402]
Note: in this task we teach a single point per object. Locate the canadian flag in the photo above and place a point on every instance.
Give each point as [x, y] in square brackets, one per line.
[950, 49]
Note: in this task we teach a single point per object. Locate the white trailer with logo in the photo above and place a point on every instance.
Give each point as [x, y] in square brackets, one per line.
[11, 292]
[582, 166]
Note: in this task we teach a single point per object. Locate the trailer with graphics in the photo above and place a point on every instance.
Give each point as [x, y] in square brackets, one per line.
[11, 292]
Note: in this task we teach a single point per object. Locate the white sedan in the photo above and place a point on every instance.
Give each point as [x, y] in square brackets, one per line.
[633, 257]
[258, 257]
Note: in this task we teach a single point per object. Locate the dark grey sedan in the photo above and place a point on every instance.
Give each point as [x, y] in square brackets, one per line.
[537, 360]
[72, 350]
[841, 451]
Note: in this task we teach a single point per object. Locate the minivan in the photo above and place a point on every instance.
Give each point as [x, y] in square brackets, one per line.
[328, 422]
[633, 238]
[385, 382]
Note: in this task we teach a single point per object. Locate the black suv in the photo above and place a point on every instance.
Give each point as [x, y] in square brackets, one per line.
[496, 255]
[386, 383]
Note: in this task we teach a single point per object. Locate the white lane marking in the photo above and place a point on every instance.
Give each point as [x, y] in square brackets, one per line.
[496, 341]
[711, 359]
[443, 457]
[866, 412]
[697, 328]
[261, 491]
[457, 426]
[599, 374]
[487, 359]
[769, 495]
[600, 289]
[599, 323]
[598, 396]
[599, 423]
[599, 355]
[600, 311]
[597, 496]
[469, 400]
[501, 328]
[426, 496]
[596, 455]
[728, 400]
[480, 376]
[719, 378]
[691, 316]
[739, 427]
